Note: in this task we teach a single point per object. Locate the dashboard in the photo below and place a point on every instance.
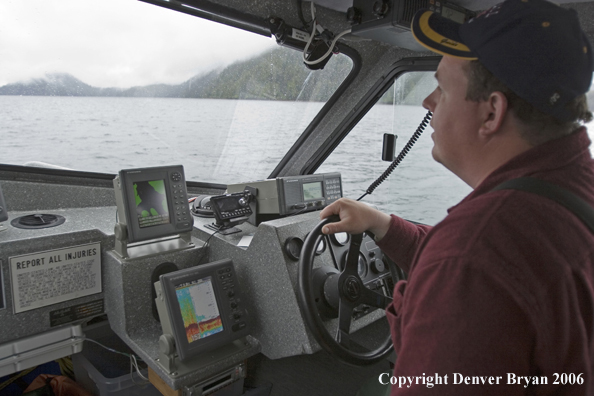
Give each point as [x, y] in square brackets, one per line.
[265, 258]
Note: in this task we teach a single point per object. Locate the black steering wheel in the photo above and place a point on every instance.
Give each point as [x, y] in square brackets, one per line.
[343, 290]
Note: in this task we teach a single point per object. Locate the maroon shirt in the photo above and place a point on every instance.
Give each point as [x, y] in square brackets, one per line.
[502, 287]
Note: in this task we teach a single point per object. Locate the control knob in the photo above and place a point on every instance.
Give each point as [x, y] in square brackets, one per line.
[380, 8]
[377, 266]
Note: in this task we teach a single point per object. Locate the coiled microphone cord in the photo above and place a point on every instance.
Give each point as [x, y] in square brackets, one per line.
[413, 139]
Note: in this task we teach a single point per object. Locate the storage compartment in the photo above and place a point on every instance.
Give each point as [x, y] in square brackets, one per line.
[105, 373]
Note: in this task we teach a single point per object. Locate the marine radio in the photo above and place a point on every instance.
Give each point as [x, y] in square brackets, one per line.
[229, 209]
[290, 195]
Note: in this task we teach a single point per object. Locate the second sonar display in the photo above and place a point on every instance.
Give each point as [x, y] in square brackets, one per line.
[199, 309]
[202, 308]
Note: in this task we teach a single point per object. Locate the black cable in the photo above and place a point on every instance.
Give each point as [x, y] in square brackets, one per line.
[413, 139]
[205, 247]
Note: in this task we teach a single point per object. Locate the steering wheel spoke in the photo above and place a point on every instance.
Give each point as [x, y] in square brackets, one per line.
[374, 299]
[352, 261]
[345, 314]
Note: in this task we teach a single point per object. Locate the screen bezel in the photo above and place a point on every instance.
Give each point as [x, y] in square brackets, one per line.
[184, 348]
[127, 179]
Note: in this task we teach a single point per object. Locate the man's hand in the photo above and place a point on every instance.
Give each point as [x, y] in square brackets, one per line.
[355, 218]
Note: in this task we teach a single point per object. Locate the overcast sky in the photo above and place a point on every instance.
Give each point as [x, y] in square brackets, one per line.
[114, 43]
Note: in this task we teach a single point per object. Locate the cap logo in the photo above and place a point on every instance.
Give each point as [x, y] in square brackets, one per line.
[438, 38]
[554, 98]
[449, 43]
[487, 13]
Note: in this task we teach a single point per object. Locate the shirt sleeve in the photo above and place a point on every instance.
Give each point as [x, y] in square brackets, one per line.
[402, 241]
[456, 320]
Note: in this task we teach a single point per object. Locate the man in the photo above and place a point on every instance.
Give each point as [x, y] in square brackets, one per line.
[503, 287]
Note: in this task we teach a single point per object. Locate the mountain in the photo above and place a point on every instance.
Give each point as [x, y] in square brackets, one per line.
[252, 79]
[59, 84]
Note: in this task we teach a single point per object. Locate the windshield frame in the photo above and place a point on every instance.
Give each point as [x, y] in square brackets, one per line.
[400, 67]
[357, 64]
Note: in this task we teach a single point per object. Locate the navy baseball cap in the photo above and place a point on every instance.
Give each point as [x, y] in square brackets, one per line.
[536, 48]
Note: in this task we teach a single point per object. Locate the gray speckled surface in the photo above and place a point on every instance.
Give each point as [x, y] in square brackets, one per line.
[128, 305]
[77, 230]
[266, 274]
[48, 196]
[269, 278]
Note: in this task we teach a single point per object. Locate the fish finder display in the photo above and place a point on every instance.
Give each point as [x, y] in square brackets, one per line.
[199, 309]
[202, 308]
[151, 203]
[312, 191]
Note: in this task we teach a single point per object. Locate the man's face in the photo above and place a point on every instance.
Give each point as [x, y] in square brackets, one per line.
[455, 120]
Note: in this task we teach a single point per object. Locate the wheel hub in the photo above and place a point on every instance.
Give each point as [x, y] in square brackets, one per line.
[352, 288]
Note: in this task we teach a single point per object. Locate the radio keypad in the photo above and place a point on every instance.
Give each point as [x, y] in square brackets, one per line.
[236, 212]
[226, 279]
[333, 189]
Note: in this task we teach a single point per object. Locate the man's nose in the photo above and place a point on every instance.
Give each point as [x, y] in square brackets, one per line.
[428, 102]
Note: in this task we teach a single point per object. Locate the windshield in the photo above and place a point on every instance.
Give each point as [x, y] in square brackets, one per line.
[86, 88]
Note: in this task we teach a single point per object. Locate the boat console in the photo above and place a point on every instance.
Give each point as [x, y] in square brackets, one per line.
[190, 300]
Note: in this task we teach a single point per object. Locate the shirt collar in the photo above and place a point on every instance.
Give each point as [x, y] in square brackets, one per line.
[551, 155]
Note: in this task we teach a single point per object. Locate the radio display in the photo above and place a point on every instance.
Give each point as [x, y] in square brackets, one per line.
[227, 203]
[199, 309]
[312, 191]
[454, 15]
[151, 203]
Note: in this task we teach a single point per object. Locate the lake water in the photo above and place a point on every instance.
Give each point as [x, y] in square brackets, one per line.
[216, 140]
[224, 141]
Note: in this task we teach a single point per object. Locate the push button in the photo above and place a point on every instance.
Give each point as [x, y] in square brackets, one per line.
[238, 326]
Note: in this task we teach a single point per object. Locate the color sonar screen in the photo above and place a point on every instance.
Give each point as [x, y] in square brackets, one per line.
[151, 203]
[199, 309]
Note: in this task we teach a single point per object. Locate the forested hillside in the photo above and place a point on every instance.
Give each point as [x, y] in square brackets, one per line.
[276, 75]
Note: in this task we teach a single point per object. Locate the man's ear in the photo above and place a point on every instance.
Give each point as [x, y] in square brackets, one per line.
[493, 110]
